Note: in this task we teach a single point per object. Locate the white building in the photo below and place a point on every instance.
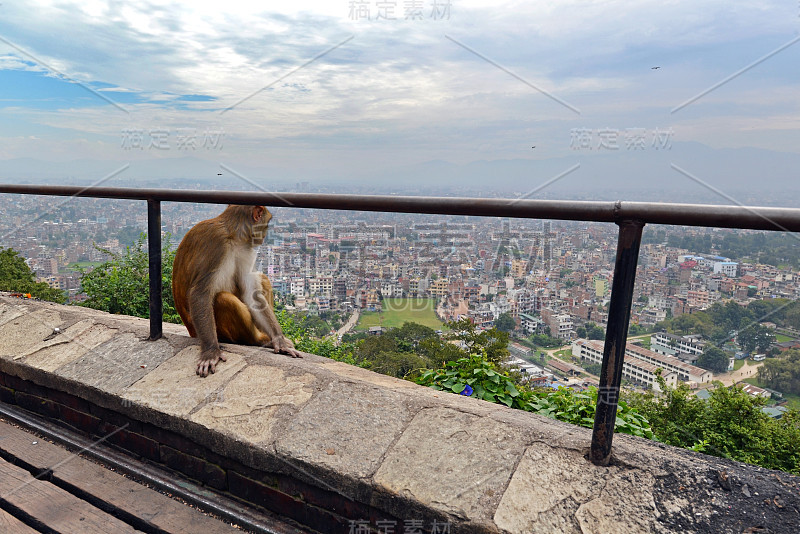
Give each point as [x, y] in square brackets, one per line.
[672, 345]
[728, 268]
[637, 371]
[297, 286]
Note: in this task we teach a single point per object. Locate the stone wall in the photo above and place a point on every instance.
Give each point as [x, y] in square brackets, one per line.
[330, 445]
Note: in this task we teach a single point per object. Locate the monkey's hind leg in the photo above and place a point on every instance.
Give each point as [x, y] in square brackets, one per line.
[235, 322]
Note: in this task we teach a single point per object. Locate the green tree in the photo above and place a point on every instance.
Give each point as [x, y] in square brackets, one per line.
[782, 372]
[754, 337]
[684, 323]
[730, 424]
[492, 342]
[16, 276]
[594, 331]
[505, 322]
[122, 284]
[713, 359]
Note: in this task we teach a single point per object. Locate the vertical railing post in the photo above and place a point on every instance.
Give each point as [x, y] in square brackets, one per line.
[619, 314]
[154, 254]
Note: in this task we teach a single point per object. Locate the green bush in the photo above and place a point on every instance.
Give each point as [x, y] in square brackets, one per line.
[16, 276]
[122, 284]
[474, 376]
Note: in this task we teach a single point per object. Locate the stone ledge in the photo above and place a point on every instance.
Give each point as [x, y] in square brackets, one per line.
[325, 443]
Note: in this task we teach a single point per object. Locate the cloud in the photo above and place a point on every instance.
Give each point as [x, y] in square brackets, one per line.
[399, 90]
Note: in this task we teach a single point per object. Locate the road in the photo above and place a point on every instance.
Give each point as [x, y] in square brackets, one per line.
[748, 370]
[351, 322]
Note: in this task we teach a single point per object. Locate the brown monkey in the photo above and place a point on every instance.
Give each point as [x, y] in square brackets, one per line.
[218, 294]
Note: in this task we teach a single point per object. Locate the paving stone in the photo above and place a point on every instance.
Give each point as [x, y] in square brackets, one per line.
[174, 388]
[10, 311]
[588, 499]
[73, 343]
[348, 428]
[625, 504]
[25, 334]
[117, 364]
[345, 370]
[248, 403]
[459, 463]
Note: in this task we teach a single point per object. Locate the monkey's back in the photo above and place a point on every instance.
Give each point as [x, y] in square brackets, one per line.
[197, 258]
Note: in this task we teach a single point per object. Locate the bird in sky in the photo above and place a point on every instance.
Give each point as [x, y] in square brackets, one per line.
[654, 68]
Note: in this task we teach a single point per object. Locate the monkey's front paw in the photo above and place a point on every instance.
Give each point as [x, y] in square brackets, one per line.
[283, 345]
[208, 362]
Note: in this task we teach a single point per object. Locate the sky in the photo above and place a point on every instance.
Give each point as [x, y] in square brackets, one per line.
[368, 90]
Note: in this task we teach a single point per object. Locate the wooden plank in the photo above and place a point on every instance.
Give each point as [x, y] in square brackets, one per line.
[11, 525]
[150, 506]
[53, 507]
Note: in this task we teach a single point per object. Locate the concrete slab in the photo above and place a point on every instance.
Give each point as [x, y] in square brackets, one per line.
[174, 388]
[117, 364]
[9, 312]
[247, 405]
[74, 342]
[26, 334]
[357, 373]
[625, 504]
[348, 428]
[459, 463]
[586, 499]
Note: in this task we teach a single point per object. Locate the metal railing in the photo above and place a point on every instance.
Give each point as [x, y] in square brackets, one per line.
[631, 218]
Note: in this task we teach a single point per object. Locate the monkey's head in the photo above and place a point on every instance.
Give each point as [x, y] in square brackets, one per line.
[261, 217]
[248, 223]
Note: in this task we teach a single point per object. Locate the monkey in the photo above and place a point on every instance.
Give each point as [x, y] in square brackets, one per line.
[218, 294]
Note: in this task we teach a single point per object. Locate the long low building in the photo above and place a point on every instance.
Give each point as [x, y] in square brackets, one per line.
[635, 370]
[685, 371]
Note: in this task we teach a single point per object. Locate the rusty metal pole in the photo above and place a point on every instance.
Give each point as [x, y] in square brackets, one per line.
[154, 259]
[619, 314]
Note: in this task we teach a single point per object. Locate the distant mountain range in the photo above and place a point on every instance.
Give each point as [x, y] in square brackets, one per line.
[746, 175]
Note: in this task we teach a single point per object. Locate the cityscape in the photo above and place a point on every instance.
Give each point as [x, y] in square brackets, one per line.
[552, 278]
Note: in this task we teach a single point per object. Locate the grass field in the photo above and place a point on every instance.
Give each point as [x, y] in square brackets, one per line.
[398, 311]
[565, 354]
[780, 338]
[792, 401]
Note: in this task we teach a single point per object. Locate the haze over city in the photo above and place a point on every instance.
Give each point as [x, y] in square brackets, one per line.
[582, 99]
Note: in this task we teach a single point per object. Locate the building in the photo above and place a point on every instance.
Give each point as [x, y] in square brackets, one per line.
[531, 324]
[322, 285]
[698, 299]
[633, 369]
[651, 316]
[600, 286]
[297, 286]
[755, 391]
[560, 324]
[728, 268]
[686, 348]
[439, 287]
[685, 371]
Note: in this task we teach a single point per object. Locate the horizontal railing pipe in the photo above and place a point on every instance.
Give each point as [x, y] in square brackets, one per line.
[707, 215]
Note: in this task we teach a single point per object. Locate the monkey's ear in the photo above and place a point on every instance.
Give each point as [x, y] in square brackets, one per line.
[258, 212]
